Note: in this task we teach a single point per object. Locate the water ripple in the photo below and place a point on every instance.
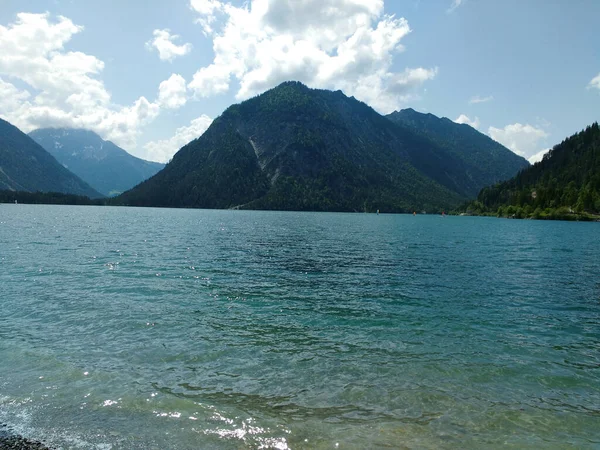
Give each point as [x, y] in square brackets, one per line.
[144, 328]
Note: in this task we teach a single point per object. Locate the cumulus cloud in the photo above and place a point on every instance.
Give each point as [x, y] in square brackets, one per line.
[163, 150]
[206, 7]
[62, 88]
[210, 80]
[538, 156]
[478, 99]
[163, 42]
[11, 98]
[172, 92]
[411, 78]
[595, 83]
[207, 10]
[465, 119]
[522, 139]
[455, 4]
[334, 44]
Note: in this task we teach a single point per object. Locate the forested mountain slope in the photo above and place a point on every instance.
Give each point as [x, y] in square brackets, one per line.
[295, 148]
[566, 182]
[25, 166]
[474, 159]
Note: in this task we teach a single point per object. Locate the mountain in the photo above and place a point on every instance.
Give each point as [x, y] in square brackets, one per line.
[469, 160]
[26, 166]
[306, 149]
[106, 167]
[295, 148]
[564, 185]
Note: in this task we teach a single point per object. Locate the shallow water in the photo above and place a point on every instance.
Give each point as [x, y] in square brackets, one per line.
[160, 328]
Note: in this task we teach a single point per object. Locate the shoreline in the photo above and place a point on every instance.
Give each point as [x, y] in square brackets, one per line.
[12, 441]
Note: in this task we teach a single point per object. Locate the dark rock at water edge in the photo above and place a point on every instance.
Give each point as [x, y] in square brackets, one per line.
[10, 441]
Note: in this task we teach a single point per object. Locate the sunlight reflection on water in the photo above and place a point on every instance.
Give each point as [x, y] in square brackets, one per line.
[146, 328]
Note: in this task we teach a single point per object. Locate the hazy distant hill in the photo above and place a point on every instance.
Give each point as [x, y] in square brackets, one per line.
[471, 160]
[105, 166]
[566, 181]
[26, 166]
[295, 148]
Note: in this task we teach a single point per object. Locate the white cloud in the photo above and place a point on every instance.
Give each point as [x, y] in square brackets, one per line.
[464, 119]
[333, 44]
[172, 92]
[163, 42]
[11, 98]
[595, 83]
[61, 88]
[163, 150]
[411, 78]
[206, 7]
[207, 10]
[455, 4]
[522, 139]
[210, 80]
[538, 156]
[478, 99]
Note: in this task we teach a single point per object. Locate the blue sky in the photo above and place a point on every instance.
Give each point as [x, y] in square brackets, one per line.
[151, 75]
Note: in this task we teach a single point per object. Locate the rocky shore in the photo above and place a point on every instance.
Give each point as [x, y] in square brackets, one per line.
[11, 441]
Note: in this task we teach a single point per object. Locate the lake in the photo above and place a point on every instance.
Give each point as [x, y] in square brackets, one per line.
[180, 329]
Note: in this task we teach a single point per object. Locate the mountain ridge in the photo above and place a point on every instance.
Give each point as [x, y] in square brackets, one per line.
[105, 166]
[26, 166]
[473, 160]
[298, 148]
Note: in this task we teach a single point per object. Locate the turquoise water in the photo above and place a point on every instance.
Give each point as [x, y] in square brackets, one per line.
[156, 328]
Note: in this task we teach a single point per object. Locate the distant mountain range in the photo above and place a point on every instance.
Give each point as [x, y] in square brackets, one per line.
[564, 185]
[106, 167]
[291, 148]
[295, 148]
[26, 166]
